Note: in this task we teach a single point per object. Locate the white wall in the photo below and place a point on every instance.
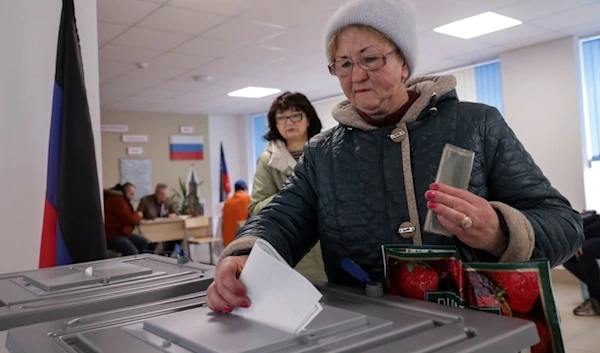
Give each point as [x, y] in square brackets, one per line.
[231, 131]
[29, 33]
[592, 186]
[466, 87]
[246, 122]
[542, 104]
[251, 159]
[324, 108]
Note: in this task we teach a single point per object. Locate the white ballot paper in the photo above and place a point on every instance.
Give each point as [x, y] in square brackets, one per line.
[280, 296]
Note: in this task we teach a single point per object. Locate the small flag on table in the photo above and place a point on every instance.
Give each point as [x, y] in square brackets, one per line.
[73, 227]
[186, 147]
[181, 256]
[178, 250]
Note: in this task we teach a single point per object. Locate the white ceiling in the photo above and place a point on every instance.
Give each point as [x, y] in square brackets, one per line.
[279, 44]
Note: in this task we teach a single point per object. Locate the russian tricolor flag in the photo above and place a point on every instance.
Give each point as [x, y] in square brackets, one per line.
[186, 147]
[73, 228]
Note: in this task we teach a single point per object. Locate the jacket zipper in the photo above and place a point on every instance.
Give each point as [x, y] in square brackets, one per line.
[387, 221]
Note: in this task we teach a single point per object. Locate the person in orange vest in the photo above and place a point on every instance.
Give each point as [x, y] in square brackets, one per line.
[235, 209]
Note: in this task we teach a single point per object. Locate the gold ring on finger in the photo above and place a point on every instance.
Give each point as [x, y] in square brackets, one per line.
[466, 223]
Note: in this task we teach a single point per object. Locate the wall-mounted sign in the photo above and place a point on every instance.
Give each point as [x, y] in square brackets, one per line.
[134, 138]
[135, 150]
[186, 129]
[114, 128]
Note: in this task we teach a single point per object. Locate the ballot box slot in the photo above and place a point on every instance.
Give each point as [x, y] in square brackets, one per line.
[115, 270]
[163, 262]
[146, 310]
[101, 282]
[151, 280]
[80, 325]
[201, 331]
[56, 279]
[80, 344]
[92, 298]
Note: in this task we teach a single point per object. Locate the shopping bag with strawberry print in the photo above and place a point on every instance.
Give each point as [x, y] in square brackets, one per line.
[436, 274]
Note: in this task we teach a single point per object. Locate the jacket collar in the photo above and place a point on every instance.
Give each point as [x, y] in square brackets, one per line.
[112, 192]
[239, 193]
[429, 88]
[281, 159]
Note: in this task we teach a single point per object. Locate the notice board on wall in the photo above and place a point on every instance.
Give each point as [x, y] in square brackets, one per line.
[138, 172]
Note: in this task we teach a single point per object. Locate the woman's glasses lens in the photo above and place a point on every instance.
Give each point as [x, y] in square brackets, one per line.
[369, 60]
[281, 120]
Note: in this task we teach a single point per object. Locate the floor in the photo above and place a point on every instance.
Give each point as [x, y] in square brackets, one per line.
[579, 333]
[201, 253]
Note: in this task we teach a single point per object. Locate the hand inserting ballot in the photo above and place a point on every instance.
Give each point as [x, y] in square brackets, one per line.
[227, 292]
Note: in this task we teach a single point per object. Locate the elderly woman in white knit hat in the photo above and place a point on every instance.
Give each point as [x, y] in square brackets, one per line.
[369, 181]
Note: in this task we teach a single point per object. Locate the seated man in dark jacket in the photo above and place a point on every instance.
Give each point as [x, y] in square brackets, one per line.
[584, 265]
[159, 205]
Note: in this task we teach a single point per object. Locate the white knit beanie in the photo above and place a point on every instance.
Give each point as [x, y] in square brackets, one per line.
[394, 18]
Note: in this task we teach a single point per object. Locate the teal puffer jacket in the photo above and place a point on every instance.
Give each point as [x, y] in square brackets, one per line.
[355, 186]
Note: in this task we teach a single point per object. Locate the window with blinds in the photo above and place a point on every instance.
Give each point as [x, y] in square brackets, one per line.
[480, 84]
[590, 59]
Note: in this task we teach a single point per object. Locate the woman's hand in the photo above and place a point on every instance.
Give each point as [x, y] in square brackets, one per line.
[227, 292]
[481, 230]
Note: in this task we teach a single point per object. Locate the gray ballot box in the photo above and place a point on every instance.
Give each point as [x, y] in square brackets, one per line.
[59, 292]
[349, 322]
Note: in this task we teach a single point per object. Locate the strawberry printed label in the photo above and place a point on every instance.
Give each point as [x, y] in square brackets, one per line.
[436, 274]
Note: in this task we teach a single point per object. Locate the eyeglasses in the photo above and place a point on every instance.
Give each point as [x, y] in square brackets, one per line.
[294, 118]
[369, 60]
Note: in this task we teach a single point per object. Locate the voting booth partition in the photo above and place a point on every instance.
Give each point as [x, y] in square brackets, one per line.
[153, 304]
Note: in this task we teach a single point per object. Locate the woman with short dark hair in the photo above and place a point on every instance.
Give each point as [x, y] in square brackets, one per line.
[294, 102]
[292, 122]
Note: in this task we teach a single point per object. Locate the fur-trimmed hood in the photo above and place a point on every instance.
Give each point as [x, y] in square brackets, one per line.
[430, 89]
[113, 192]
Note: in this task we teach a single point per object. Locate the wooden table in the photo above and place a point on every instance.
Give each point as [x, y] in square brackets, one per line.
[198, 227]
[196, 230]
[165, 229]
